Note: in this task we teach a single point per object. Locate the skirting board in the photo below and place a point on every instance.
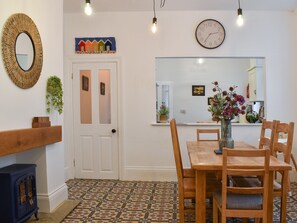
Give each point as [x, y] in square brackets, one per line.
[48, 202]
[145, 173]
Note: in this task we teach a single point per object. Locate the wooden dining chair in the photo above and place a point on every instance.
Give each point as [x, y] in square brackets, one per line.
[277, 147]
[186, 178]
[267, 134]
[186, 185]
[214, 132]
[242, 202]
[283, 148]
[265, 142]
[210, 135]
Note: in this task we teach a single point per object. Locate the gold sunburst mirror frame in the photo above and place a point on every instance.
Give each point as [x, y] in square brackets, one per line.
[16, 25]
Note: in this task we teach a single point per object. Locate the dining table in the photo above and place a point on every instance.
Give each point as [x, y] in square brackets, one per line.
[203, 160]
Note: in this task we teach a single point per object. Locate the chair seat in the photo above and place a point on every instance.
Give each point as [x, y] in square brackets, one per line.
[240, 201]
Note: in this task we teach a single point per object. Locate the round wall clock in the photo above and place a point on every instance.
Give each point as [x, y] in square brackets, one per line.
[210, 33]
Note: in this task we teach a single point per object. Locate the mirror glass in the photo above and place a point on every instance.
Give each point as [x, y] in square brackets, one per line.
[24, 51]
[184, 85]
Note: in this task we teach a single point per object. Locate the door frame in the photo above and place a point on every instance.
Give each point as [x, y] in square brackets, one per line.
[68, 133]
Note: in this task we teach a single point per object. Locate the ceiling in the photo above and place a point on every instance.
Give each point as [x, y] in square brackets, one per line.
[76, 6]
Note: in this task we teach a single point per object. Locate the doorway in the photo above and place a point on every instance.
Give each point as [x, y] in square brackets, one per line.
[95, 112]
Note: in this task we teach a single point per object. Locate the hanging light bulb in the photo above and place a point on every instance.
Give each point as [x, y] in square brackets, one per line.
[154, 25]
[88, 8]
[239, 15]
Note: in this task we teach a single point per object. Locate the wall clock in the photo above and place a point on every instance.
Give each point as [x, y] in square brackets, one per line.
[210, 33]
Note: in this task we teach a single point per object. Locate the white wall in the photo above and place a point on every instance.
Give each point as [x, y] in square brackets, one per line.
[146, 149]
[19, 106]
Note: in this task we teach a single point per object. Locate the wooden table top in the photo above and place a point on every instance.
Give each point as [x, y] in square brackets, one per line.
[202, 157]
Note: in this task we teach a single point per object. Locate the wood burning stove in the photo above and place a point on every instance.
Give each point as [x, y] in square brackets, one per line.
[18, 199]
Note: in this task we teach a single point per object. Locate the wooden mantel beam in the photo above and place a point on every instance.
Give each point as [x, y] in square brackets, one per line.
[14, 141]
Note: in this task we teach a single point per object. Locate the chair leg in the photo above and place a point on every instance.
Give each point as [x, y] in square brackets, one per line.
[181, 211]
[215, 211]
[284, 197]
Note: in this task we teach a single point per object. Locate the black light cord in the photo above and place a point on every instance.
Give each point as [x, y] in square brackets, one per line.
[162, 3]
[154, 8]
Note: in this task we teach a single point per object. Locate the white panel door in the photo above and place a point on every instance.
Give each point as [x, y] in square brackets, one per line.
[95, 120]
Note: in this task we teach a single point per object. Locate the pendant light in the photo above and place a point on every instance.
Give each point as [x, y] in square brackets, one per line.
[154, 24]
[239, 15]
[88, 8]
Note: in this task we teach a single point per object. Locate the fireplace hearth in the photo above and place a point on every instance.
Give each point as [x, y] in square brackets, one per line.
[18, 199]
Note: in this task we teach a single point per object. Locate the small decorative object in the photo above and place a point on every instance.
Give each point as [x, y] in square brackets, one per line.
[163, 112]
[102, 88]
[198, 90]
[252, 116]
[39, 122]
[225, 105]
[95, 45]
[209, 99]
[85, 83]
[210, 33]
[54, 94]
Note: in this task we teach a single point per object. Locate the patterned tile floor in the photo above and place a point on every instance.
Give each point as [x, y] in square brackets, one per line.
[138, 202]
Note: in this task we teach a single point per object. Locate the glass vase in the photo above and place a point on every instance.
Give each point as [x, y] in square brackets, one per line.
[226, 134]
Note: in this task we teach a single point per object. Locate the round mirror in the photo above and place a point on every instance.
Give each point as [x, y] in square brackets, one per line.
[24, 51]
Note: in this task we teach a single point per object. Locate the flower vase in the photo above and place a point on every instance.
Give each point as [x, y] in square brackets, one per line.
[226, 136]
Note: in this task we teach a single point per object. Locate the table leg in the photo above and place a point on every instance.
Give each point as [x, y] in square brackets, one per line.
[200, 209]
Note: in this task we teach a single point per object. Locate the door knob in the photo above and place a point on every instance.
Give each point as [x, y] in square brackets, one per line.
[113, 131]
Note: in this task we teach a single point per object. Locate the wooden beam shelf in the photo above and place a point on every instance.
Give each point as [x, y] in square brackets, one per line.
[14, 141]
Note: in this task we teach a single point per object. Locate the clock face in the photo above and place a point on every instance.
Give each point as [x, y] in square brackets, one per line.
[210, 33]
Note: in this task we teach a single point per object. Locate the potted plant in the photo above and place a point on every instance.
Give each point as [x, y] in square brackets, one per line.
[54, 94]
[163, 112]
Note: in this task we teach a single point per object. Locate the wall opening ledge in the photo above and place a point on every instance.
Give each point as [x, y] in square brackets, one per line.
[14, 141]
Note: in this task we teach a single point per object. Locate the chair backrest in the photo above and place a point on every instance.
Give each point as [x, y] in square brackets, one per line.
[176, 150]
[267, 134]
[280, 145]
[232, 168]
[214, 132]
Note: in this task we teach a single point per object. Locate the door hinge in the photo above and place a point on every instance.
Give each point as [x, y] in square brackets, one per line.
[72, 76]
[74, 163]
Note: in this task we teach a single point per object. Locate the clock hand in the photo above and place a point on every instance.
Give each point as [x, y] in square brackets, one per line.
[209, 36]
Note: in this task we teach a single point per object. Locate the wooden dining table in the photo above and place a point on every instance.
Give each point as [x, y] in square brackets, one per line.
[203, 159]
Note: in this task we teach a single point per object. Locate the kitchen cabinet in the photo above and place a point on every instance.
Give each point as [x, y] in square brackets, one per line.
[256, 83]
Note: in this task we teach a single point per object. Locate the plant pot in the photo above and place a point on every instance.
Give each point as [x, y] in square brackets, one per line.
[163, 118]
